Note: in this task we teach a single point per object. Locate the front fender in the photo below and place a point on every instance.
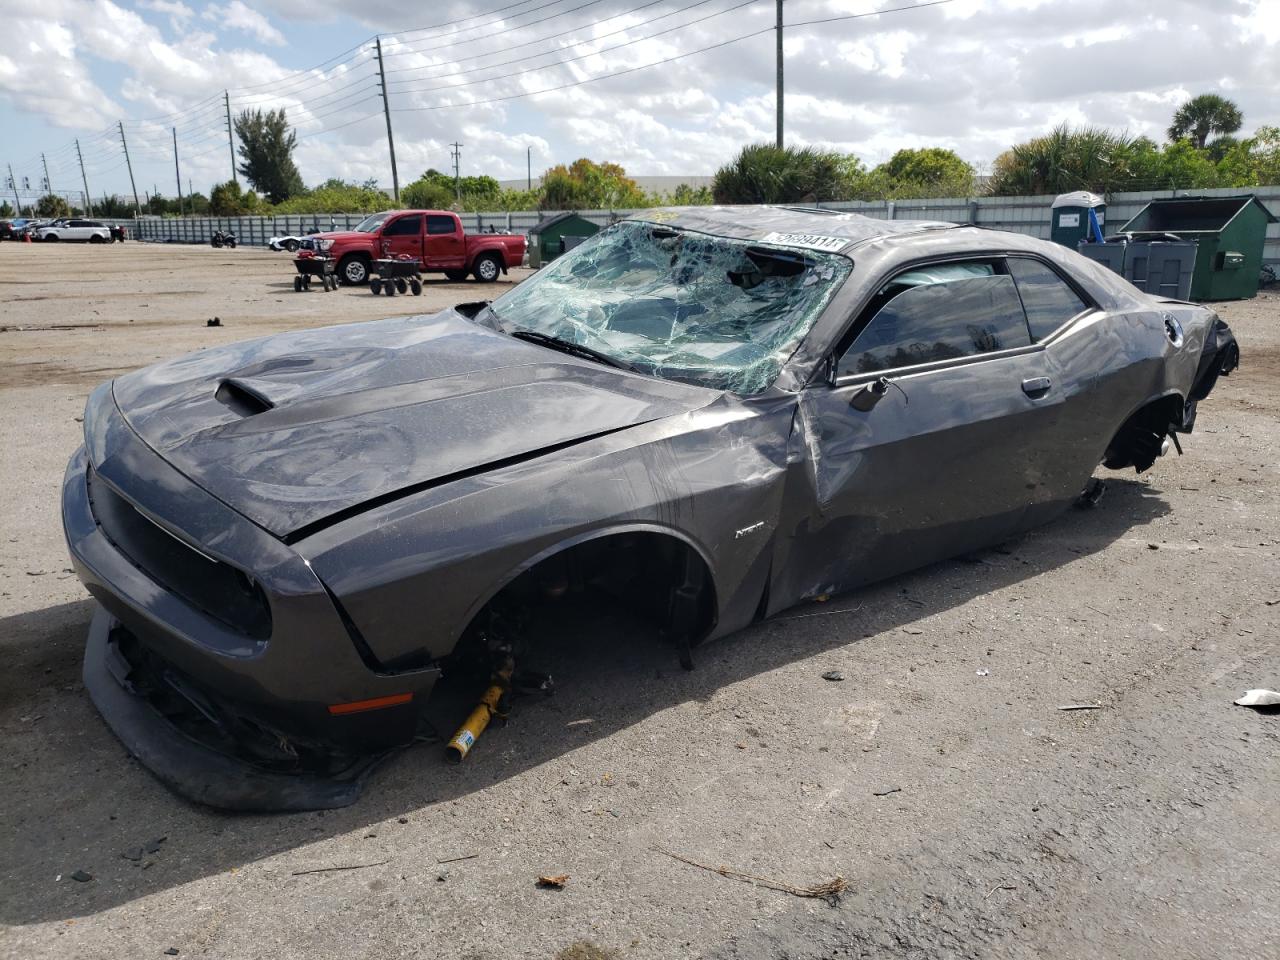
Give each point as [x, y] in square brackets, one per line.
[413, 574]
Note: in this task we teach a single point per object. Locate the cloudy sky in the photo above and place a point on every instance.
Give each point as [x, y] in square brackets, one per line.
[973, 75]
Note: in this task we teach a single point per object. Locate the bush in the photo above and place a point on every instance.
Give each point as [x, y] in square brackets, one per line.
[764, 173]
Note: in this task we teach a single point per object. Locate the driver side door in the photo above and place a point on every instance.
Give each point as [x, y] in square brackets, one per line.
[403, 236]
[950, 457]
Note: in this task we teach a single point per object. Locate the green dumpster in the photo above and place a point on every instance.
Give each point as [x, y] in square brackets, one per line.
[553, 236]
[1078, 216]
[1229, 233]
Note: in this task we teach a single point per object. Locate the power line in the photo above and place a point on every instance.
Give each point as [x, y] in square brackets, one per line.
[409, 51]
[552, 36]
[671, 59]
[584, 56]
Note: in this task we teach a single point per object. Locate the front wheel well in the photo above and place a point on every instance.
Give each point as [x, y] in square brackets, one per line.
[655, 577]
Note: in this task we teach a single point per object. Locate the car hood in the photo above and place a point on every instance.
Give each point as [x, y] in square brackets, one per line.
[341, 235]
[296, 430]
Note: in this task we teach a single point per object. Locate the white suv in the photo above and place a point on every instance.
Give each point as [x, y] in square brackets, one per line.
[89, 230]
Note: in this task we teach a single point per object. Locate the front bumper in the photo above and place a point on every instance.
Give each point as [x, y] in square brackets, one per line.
[273, 736]
[189, 767]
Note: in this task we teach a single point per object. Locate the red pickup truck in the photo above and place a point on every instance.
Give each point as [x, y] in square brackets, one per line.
[434, 237]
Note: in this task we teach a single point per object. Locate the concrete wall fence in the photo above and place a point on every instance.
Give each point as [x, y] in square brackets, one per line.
[1029, 215]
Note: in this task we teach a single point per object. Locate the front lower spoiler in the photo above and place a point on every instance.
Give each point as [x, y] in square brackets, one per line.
[190, 768]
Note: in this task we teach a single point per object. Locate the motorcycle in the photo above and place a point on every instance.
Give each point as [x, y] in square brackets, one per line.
[221, 239]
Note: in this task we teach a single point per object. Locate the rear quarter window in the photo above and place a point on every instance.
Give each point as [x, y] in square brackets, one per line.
[1048, 300]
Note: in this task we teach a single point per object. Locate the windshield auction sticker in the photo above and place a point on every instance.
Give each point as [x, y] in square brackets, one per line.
[811, 241]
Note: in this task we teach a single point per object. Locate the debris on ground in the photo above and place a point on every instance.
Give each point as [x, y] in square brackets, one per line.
[1081, 706]
[213, 322]
[586, 950]
[983, 672]
[1258, 698]
[133, 853]
[352, 866]
[171, 952]
[553, 881]
[885, 793]
[81, 876]
[829, 891]
[999, 886]
[468, 856]
[833, 675]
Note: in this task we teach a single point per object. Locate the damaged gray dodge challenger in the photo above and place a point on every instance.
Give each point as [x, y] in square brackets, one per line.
[707, 414]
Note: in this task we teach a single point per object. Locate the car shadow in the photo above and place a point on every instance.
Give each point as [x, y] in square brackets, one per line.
[73, 799]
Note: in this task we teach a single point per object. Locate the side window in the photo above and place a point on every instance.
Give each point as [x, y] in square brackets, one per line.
[440, 225]
[939, 313]
[404, 227]
[1048, 300]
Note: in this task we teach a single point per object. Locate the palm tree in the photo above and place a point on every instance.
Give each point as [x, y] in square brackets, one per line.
[1200, 116]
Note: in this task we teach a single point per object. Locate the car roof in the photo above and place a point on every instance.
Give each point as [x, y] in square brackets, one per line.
[835, 231]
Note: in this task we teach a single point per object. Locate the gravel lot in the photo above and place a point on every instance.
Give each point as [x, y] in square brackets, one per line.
[969, 815]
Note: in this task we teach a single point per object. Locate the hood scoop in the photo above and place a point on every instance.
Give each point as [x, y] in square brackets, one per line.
[241, 399]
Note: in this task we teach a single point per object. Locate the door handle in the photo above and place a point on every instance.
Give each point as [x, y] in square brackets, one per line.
[1036, 387]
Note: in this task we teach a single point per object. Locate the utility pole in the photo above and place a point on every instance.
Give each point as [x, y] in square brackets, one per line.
[528, 170]
[136, 206]
[231, 143]
[457, 170]
[779, 89]
[386, 109]
[176, 172]
[88, 207]
[48, 184]
[13, 182]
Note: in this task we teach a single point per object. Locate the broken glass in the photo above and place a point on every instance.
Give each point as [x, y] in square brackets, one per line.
[679, 304]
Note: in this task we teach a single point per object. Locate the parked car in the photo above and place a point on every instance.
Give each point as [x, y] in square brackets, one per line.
[707, 415]
[8, 228]
[74, 229]
[434, 237]
[290, 242]
[29, 229]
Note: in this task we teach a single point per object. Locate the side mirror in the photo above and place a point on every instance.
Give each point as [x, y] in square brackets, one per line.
[866, 398]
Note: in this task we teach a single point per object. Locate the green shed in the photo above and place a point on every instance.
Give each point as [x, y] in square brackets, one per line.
[1229, 233]
[554, 235]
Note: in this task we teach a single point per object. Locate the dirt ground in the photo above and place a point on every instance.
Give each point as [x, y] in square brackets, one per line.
[970, 816]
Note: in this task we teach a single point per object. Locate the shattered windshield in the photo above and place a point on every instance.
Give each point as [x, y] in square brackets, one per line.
[678, 304]
[371, 223]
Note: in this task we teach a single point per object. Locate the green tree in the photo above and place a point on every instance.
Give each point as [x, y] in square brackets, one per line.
[686, 196]
[1201, 116]
[52, 205]
[337, 196]
[923, 172]
[227, 200]
[6, 211]
[113, 208]
[764, 173]
[587, 185]
[266, 148]
[1088, 158]
[1253, 162]
[435, 190]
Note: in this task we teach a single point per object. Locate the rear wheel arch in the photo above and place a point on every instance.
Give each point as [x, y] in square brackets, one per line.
[1138, 439]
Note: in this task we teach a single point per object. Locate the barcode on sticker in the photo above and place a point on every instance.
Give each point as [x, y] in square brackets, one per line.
[812, 241]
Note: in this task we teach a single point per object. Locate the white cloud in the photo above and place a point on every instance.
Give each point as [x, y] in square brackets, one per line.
[973, 76]
[179, 13]
[236, 15]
